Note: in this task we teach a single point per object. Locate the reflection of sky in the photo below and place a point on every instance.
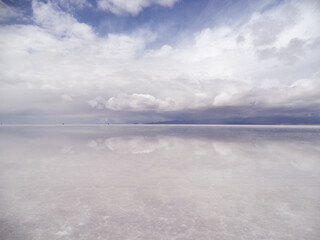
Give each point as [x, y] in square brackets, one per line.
[160, 183]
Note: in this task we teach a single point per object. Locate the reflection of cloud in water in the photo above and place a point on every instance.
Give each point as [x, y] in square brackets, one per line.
[135, 145]
[67, 149]
[97, 144]
[191, 187]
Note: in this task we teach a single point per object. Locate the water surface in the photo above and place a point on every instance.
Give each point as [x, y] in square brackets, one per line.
[159, 182]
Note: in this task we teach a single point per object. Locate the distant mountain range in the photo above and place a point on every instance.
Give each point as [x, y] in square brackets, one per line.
[253, 120]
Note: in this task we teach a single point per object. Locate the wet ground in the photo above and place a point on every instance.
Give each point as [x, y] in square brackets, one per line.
[159, 182]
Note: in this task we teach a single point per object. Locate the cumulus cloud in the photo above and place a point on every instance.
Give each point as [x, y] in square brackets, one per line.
[58, 22]
[299, 93]
[133, 102]
[138, 102]
[133, 7]
[289, 54]
[252, 64]
[98, 102]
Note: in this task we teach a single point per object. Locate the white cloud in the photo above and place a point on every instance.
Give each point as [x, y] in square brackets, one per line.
[67, 97]
[289, 54]
[58, 22]
[98, 102]
[93, 103]
[133, 7]
[7, 12]
[73, 4]
[251, 64]
[298, 93]
[139, 102]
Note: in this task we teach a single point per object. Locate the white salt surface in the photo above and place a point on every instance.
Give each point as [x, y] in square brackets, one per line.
[159, 182]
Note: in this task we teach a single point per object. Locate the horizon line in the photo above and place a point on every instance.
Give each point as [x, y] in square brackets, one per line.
[156, 125]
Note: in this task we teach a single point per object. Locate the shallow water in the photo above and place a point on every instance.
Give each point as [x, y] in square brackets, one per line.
[159, 182]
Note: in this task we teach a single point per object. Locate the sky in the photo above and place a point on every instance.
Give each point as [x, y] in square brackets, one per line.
[143, 61]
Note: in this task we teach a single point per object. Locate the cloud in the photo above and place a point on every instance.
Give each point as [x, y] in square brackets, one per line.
[9, 13]
[72, 5]
[58, 22]
[98, 102]
[251, 64]
[299, 93]
[133, 7]
[138, 102]
[289, 54]
[67, 97]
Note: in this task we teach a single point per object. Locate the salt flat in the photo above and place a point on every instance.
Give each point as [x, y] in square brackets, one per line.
[159, 182]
